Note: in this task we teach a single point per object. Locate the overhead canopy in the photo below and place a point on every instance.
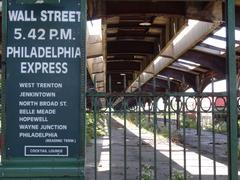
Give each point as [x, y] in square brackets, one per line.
[168, 40]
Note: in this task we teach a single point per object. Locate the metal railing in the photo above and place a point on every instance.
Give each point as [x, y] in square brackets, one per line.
[179, 116]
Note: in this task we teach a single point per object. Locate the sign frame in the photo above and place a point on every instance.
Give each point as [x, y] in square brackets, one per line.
[51, 167]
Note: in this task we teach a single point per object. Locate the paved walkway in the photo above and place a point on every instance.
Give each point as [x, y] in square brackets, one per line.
[147, 156]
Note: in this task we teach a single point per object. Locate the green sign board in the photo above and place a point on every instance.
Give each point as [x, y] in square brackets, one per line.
[45, 78]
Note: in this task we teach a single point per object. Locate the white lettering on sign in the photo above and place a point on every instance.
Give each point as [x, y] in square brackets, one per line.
[28, 103]
[38, 150]
[42, 34]
[53, 140]
[53, 127]
[62, 34]
[49, 85]
[58, 151]
[69, 140]
[60, 16]
[38, 135]
[19, 15]
[37, 94]
[40, 85]
[44, 67]
[33, 119]
[46, 150]
[46, 111]
[28, 126]
[26, 85]
[45, 16]
[43, 52]
[48, 103]
[27, 111]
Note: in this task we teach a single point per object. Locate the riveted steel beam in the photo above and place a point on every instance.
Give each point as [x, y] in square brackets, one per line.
[181, 43]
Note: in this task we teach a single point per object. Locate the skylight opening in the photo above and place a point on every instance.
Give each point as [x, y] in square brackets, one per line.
[164, 77]
[187, 66]
[189, 62]
[222, 32]
[222, 52]
[208, 50]
[95, 27]
[216, 43]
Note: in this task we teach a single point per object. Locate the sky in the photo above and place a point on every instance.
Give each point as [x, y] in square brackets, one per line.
[219, 86]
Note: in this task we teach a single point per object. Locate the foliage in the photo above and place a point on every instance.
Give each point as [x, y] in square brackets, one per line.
[100, 131]
[145, 122]
[176, 136]
[132, 117]
[189, 123]
[221, 127]
[147, 172]
[178, 175]
[148, 125]
[89, 123]
[164, 132]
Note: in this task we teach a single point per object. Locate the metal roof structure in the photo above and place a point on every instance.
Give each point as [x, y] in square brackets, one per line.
[174, 41]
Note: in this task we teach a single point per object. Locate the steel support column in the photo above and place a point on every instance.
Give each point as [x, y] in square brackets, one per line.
[231, 90]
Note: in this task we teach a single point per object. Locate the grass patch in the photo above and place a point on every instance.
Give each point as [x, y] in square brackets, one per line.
[100, 126]
[221, 127]
[176, 136]
[178, 175]
[148, 125]
[164, 132]
[189, 123]
[147, 172]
